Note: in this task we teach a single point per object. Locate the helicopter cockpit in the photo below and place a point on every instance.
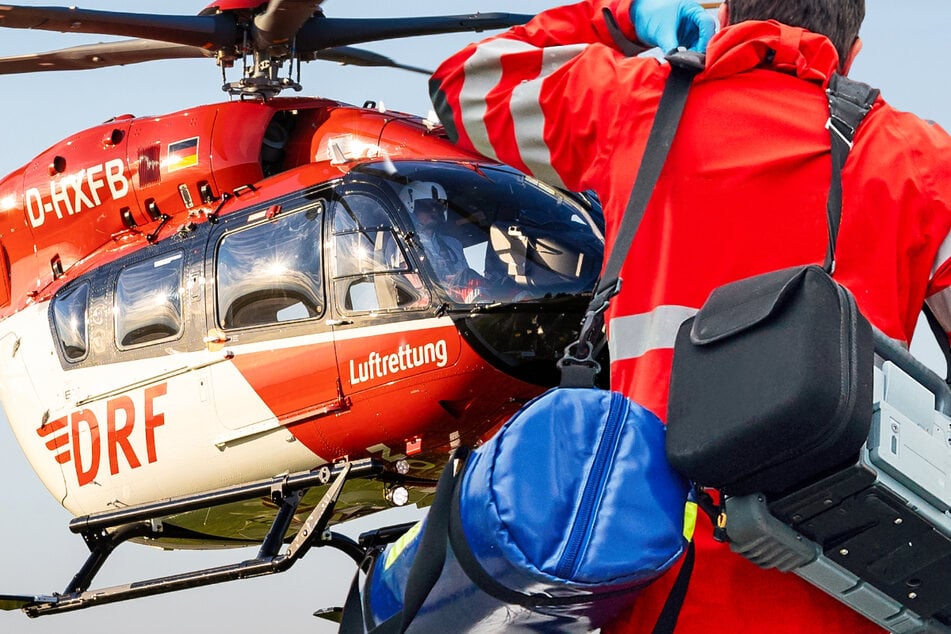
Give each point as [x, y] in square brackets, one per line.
[479, 235]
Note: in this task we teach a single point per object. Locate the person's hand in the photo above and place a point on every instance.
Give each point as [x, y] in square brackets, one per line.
[668, 24]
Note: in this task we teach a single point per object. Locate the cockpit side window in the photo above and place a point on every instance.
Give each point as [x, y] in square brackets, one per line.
[270, 272]
[148, 302]
[371, 271]
[69, 319]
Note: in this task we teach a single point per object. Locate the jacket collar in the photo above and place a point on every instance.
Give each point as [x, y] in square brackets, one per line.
[748, 45]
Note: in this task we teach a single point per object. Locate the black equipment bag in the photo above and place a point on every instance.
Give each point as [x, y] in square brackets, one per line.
[772, 383]
[772, 380]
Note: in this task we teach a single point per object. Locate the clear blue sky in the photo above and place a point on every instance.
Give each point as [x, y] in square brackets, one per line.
[905, 55]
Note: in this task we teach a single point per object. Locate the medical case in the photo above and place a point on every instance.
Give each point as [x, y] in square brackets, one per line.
[876, 534]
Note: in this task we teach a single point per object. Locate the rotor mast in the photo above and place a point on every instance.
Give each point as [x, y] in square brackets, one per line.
[269, 37]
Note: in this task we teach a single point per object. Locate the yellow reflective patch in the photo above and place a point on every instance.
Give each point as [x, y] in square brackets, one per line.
[400, 545]
[690, 519]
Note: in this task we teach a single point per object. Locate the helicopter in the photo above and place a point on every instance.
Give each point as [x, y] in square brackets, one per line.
[229, 325]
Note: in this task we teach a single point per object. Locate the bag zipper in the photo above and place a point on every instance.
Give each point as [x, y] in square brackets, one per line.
[593, 488]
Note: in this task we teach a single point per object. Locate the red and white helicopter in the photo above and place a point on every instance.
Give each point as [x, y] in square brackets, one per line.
[245, 322]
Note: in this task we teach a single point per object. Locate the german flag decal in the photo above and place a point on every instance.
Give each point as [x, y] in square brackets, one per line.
[182, 154]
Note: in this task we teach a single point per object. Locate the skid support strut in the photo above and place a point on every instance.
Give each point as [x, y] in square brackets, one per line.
[104, 532]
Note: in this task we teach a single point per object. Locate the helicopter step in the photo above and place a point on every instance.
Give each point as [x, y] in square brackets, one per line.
[105, 531]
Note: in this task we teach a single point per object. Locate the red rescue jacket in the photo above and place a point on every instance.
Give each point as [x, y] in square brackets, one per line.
[743, 192]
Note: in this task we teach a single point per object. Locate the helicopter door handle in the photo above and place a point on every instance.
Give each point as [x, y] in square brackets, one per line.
[216, 339]
[216, 336]
[338, 322]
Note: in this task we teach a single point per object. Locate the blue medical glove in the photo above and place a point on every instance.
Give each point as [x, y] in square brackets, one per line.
[668, 24]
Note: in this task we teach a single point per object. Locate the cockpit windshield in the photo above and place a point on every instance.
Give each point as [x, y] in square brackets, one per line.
[487, 234]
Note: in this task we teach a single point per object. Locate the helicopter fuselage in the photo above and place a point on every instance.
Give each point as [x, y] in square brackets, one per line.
[241, 290]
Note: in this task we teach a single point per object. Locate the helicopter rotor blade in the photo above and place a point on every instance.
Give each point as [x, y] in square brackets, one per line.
[349, 55]
[100, 55]
[211, 32]
[325, 32]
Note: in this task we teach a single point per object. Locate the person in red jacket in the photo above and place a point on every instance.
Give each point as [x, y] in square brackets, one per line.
[743, 192]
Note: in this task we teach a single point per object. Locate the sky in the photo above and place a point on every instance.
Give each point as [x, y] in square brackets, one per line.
[904, 54]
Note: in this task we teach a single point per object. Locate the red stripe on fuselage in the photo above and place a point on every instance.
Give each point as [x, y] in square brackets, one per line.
[393, 386]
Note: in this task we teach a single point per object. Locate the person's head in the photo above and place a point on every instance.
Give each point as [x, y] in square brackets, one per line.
[427, 201]
[839, 20]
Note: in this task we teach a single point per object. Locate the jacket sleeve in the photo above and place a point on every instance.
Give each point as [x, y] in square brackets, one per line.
[543, 97]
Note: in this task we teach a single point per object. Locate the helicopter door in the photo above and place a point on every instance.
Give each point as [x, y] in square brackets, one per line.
[380, 300]
[270, 316]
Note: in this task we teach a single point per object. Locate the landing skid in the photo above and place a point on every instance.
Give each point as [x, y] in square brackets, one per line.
[104, 532]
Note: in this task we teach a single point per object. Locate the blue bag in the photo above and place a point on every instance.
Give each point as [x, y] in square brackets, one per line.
[555, 523]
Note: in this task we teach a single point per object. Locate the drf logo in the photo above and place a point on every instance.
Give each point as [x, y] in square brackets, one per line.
[81, 436]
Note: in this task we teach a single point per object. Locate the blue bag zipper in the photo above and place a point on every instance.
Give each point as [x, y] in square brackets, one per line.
[593, 488]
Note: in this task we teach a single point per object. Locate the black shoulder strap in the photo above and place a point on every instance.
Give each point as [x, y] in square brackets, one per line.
[626, 46]
[667, 620]
[578, 368]
[684, 65]
[849, 102]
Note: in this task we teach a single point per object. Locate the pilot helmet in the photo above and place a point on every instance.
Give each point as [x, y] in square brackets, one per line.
[425, 196]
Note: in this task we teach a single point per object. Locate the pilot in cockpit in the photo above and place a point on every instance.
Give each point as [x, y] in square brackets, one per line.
[429, 205]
